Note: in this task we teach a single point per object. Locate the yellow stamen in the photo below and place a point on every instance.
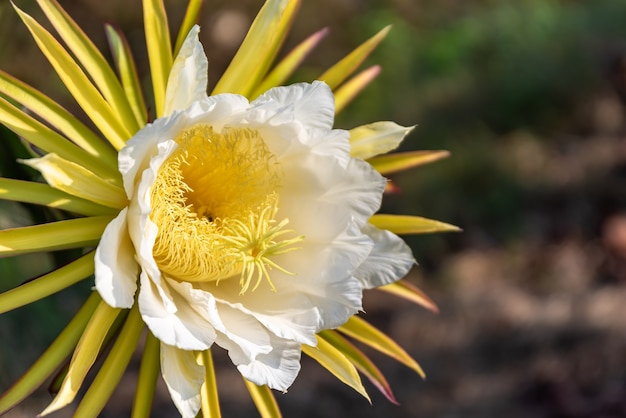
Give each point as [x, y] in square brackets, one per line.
[214, 202]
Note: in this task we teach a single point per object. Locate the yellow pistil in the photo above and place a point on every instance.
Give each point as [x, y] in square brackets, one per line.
[214, 201]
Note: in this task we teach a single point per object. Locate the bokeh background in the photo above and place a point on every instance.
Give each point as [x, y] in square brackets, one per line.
[529, 98]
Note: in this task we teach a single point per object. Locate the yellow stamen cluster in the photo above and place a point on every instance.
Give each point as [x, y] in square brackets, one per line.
[214, 201]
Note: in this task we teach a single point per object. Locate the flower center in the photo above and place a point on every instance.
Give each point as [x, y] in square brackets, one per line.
[214, 201]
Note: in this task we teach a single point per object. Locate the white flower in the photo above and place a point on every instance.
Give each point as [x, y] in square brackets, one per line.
[248, 226]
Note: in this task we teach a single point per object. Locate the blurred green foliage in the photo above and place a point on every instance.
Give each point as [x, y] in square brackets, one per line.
[472, 76]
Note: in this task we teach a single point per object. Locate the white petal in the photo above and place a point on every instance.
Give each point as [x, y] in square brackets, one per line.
[183, 377]
[188, 78]
[322, 292]
[115, 267]
[276, 369]
[135, 157]
[289, 141]
[239, 327]
[333, 144]
[287, 314]
[217, 111]
[390, 260]
[143, 231]
[313, 183]
[326, 277]
[313, 105]
[184, 328]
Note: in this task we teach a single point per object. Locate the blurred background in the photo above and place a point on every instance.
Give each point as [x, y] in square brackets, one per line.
[529, 98]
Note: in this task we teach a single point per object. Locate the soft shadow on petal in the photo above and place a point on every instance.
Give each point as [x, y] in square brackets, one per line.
[322, 292]
[184, 327]
[188, 78]
[331, 144]
[115, 267]
[390, 260]
[276, 369]
[289, 142]
[240, 328]
[353, 193]
[183, 377]
[287, 313]
[324, 274]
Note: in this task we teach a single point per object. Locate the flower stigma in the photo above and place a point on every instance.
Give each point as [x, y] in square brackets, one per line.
[214, 202]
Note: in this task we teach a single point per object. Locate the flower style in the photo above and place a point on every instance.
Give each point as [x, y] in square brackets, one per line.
[250, 225]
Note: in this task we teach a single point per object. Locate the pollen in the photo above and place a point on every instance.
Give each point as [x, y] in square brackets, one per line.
[215, 202]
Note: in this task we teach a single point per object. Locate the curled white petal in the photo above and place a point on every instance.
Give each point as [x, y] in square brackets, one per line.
[115, 267]
[175, 322]
[143, 231]
[135, 156]
[183, 377]
[188, 79]
[390, 260]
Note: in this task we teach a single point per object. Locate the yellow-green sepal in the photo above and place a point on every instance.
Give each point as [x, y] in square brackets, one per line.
[360, 361]
[44, 194]
[264, 400]
[400, 161]
[92, 61]
[159, 47]
[406, 290]
[410, 225]
[50, 360]
[58, 117]
[48, 140]
[190, 19]
[48, 284]
[76, 180]
[148, 374]
[128, 73]
[351, 88]
[259, 48]
[84, 356]
[376, 138]
[113, 367]
[209, 398]
[343, 69]
[336, 362]
[79, 85]
[52, 236]
[286, 67]
[363, 331]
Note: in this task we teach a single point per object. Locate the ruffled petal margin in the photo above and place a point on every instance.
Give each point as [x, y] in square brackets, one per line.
[389, 261]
